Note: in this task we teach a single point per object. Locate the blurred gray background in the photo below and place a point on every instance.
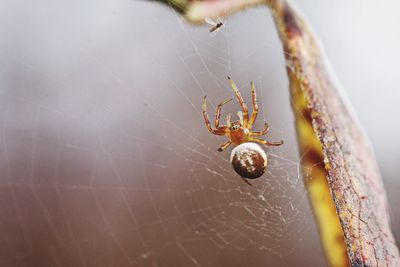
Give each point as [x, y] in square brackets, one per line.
[104, 156]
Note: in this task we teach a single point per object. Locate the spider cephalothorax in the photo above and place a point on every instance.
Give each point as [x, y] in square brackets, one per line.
[238, 131]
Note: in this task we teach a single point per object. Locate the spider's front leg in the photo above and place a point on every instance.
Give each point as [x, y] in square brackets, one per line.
[220, 130]
[264, 142]
[241, 102]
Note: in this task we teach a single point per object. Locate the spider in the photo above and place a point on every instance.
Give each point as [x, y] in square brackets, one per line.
[238, 131]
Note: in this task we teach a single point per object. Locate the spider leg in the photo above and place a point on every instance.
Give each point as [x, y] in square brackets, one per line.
[218, 111]
[224, 146]
[255, 105]
[218, 131]
[241, 102]
[263, 132]
[264, 142]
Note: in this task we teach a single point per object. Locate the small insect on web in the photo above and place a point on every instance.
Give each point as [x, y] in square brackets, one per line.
[248, 159]
[215, 25]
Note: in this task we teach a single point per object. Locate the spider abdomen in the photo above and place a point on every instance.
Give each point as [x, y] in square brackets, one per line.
[249, 160]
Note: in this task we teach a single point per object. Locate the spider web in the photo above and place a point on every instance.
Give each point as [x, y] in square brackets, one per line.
[105, 158]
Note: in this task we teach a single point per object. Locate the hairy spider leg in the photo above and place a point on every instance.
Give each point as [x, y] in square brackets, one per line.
[219, 130]
[241, 102]
[263, 132]
[224, 146]
[218, 111]
[264, 142]
[255, 105]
